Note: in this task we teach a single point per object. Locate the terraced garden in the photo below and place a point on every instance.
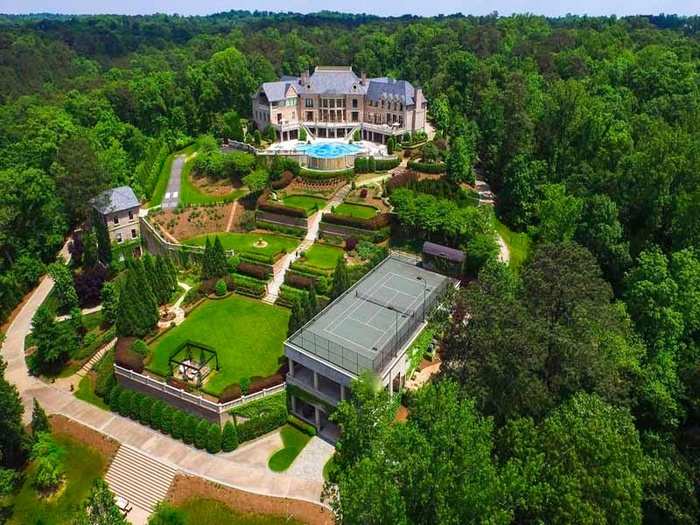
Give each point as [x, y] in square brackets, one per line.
[256, 243]
[358, 211]
[309, 203]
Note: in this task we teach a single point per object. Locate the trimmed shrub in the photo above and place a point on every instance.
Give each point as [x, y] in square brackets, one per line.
[317, 175]
[140, 347]
[427, 167]
[220, 288]
[156, 413]
[245, 385]
[350, 244]
[125, 402]
[298, 281]
[230, 393]
[292, 231]
[190, 428]
[254, 270]
[305, 427]
[257, 426]
[214, 439]
[177, 424]
[379, 221]
[201, 434]
[115, 397]
[166, 419]
[259, 384]
[229, 437]
[135, 408]
[145, 410]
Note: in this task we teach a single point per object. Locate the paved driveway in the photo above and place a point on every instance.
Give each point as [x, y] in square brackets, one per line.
[172, 193]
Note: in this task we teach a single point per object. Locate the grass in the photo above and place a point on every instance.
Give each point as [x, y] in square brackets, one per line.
[190, 194]
[308, 203]
[211, 512]
[322, 256]
[247, 335]
[294, 441]
[518, 244]
[86, 392]
[359, 211]
[83, 466]
[245, 242]
[164, 175]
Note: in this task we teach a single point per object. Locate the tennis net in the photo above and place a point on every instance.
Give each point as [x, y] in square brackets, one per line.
[383, 304]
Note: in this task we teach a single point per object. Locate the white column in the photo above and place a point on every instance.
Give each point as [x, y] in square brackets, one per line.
[317, 414]
[342, 393]
[291, 368]
[315, 380]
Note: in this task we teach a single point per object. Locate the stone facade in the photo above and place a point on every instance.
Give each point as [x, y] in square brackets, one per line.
[333, 102]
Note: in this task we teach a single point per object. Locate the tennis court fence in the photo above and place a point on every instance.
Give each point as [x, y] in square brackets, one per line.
[354, 362]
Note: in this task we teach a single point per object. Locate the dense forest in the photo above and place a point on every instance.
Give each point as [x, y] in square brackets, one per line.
[572, 394]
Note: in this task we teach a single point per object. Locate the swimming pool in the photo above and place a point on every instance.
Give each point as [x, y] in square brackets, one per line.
[329, 150]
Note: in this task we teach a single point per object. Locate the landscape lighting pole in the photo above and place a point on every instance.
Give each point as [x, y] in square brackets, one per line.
[425, 289]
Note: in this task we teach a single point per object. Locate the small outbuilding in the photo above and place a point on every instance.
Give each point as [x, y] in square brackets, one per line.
[118, 209]
[443, 259]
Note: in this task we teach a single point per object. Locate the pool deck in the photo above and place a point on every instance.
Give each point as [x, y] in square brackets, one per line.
[370, 148]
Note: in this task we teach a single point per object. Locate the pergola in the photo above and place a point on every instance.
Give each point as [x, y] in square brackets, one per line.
[191, 360]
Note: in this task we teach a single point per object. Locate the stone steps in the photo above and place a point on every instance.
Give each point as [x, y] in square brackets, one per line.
[141, 479]
[95, 358]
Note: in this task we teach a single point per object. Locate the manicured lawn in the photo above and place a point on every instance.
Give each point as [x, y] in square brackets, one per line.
[322, 256]
[246, 333]
[518, 244]
[359, 211]
[308, 203]
[211, 512]
[86, 392]
[190, 194]
[83, 466]
[294, 442]
[245, 242]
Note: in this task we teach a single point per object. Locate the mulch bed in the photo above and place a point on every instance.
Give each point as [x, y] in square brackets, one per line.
[106, 446]
[185, 488]
[193, 220]
[213, 187]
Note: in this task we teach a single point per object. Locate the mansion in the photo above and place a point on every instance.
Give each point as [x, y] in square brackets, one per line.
[334, 102]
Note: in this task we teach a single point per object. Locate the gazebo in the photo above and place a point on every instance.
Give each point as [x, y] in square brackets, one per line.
[191, 361]
[443, 259]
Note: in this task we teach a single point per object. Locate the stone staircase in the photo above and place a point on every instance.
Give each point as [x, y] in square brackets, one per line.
[95, 358]
[139, 478]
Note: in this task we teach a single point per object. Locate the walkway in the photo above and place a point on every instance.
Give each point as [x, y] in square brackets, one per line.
[313, 223]
[177, 307]
[84, 311]
[223, 469]
[172, 192]
[486, 198]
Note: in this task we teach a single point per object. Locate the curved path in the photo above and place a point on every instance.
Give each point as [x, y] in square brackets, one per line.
[230, 469]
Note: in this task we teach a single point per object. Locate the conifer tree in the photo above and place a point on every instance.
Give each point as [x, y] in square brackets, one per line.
[341, 281]
[189, 429]
[166, 419]
[201, 434]
[40, 422]
[137, 313]
[214, 439]
[177, 424]
[229, 438]
[104, 246]
[296, 320]
[219, 266]
[156, 413]
[90, 249]
[206, 260]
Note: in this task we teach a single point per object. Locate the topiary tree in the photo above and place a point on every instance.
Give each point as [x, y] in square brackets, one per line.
[220, 288]
[145, 410]
[229, 438]
[302, 134]
[156, 414]
[109, 295]
[189, 429]
[310, 303]
[135, 407]
[201, 434]
[40, 422]
[177, 424]
[114, 398]
[166, 419]
[214, 439]
[125, 402]
[296, 320]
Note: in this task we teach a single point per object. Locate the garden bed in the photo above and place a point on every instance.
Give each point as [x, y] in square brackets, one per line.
[246, 334]
[193, 221]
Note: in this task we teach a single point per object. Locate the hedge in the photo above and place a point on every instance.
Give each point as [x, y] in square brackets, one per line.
[379, 221]
[284, 181]
[258, 384]
[288, 295]
[161, 416]
[298, 281]
[256, 427]
[254, 270]
[370, 164]
[257, 258]
[305, 427]
[427, 167]
[230, 393]
[316, 175]
[247, 285]
[292, 231]
[265, 205]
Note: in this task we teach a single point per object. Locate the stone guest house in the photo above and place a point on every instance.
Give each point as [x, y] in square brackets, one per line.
[334, 102]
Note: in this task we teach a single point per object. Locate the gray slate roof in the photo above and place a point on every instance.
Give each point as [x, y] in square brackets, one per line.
[445, 252]
[116, 199]
[392, 90]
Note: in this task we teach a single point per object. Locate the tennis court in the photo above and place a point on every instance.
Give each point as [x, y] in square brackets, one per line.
[371, 322]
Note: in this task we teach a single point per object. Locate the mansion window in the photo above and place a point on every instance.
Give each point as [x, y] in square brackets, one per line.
[115, 219]
[131, 215]
[279, 118]
[120, 239]
[309, 102]
[133, 233]
[354, 103]
[355, 116]
[309, 115]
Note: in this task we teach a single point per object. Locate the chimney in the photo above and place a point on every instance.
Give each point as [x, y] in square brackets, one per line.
[363, 78]
[304, 77]
[418, 98]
